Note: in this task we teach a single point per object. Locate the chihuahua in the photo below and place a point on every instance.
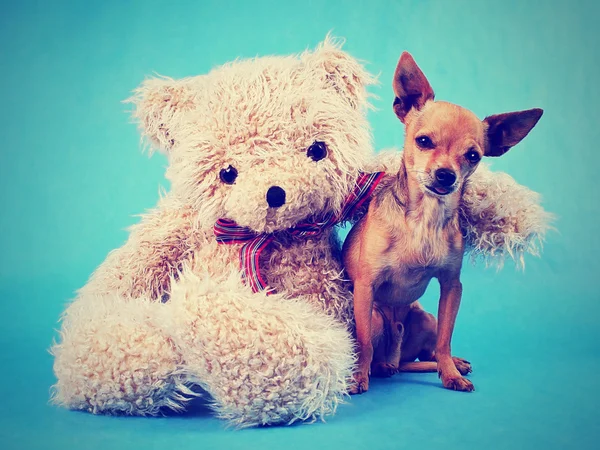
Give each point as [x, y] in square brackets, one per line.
[411, 232]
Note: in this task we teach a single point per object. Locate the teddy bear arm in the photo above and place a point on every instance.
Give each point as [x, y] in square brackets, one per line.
[155, 252]
[501, 218]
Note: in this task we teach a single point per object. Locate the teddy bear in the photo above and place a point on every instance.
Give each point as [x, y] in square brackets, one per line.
[232, 286]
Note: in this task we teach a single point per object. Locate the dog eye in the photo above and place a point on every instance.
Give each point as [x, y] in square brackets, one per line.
[317, 151]
[425, 142]
[472, 156]
[228, 175]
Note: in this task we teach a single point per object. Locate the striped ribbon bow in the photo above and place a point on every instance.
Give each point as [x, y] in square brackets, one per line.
[228, 232]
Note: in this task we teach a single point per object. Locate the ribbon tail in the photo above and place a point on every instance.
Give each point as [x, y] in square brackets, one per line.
[249, 262]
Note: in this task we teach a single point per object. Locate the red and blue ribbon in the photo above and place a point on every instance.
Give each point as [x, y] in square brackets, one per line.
[228, 232]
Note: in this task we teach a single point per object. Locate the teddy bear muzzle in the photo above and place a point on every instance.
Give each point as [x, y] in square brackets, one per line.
[275, 197]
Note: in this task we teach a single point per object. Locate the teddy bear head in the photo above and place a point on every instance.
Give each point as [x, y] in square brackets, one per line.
[267, 142]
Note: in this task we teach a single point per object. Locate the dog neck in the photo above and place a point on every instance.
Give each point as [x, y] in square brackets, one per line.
[420, 208]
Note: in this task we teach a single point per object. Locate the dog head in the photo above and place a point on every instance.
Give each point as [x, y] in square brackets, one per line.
[445, 142]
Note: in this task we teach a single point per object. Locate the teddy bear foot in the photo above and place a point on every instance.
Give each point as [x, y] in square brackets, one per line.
[113, 359]
[264, 359]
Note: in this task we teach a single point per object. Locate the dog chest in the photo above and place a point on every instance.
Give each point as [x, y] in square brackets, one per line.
[402, 285]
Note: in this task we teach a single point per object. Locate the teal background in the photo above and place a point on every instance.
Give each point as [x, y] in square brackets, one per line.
[72, 177]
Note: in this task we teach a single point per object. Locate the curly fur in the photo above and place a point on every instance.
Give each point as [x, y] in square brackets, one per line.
[501, 218]
[168, 312]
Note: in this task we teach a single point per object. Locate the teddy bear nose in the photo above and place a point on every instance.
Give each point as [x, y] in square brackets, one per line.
[275, 196]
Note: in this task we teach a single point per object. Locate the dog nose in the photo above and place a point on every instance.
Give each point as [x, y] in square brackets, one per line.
[445, 177]
[275, 196]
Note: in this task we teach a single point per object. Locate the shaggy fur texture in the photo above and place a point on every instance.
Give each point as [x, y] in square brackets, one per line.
[168, 311]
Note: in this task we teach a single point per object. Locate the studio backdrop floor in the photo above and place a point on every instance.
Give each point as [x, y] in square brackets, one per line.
[72, 178]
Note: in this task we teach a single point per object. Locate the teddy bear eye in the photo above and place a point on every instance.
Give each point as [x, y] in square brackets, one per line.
[228, 175]
[317, 151]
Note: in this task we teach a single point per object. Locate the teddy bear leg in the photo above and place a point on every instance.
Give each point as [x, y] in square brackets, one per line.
[112, 358]
[263, 359]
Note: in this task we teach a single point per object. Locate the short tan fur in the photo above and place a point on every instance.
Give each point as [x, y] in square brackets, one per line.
[411, 233]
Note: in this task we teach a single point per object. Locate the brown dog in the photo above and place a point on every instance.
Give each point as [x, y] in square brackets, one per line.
[411, 232]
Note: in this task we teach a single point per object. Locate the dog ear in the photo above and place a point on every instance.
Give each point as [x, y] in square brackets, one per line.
[159, 106]
[507, 130]
[410, 86]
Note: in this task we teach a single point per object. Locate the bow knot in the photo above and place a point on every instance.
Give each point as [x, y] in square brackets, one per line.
[228, 232]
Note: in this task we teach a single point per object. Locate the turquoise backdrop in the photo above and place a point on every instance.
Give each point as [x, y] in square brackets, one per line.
[72, 178]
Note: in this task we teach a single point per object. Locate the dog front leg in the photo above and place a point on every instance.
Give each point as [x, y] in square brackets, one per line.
[363, 311]
[451, 292]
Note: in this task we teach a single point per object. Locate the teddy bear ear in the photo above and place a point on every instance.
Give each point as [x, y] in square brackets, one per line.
[339, 71]
[159, 107]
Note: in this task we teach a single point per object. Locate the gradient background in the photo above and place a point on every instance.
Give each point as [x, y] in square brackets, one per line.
[72, 177]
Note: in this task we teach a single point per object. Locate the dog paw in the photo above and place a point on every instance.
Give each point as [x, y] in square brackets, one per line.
[360, 384]
[463, 366]
[458, 384]
[384, 370]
